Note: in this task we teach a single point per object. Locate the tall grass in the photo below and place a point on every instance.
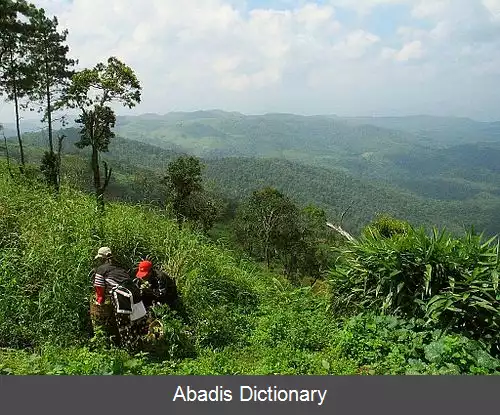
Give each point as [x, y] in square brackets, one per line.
[47, 252]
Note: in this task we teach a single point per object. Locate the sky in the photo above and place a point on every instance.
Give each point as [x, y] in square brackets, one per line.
[344, 57]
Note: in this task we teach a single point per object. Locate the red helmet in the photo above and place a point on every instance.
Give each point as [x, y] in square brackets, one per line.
[144, 269]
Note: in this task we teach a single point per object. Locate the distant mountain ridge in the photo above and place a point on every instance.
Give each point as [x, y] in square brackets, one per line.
[423, 128]
[410, 123]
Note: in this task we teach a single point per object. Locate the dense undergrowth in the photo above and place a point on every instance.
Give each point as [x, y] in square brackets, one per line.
[450, 283]
[237, 319]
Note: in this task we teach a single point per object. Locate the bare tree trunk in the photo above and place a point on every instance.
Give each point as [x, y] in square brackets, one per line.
[345, 211]
[18, 127]
[344, 233]
[49, 108]
[101, 188]
[97, 179]
[58, 163]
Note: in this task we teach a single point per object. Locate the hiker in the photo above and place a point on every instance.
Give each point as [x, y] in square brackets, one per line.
[113, 282]
[157, 287]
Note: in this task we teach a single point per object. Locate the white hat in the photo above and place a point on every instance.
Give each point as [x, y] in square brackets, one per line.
[103, 252]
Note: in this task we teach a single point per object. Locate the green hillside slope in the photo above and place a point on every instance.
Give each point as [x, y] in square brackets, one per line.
[238, 319]
[215, 133]
[335, 191]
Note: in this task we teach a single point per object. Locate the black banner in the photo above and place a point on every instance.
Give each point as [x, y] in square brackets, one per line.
[248, 395]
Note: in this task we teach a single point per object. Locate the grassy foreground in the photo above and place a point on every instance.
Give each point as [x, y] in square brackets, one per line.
[238, 319]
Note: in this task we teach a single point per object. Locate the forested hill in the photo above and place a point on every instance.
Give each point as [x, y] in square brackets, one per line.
[139, 168]
[438, 158]
[336, 191]
[216, 133]
[433, 157]
[232, 133]
[440, 131]
[429, 131]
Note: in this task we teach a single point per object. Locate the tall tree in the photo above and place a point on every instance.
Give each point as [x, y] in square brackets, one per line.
[7, 18]
[9, 25]
[204, 208]
[15, 74]
[51, 71]
[183, 179]
[267, 225]
[92, 91]
[314, 251]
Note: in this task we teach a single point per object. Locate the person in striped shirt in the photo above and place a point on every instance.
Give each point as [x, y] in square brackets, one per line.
[108, 280]
[107, 276]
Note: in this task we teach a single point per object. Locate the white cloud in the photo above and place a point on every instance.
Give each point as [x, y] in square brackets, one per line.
[356, 44]
[410, 51]
[431, 8]
[493, 7]
[413, 50]
[227, 49]
[292, 55]
[364, 7]
[388, 53]
[313, 15]
[442, 31]
[408, 34]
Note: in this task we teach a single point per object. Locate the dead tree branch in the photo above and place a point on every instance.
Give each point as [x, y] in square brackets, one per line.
[339, 229]
[345, 212]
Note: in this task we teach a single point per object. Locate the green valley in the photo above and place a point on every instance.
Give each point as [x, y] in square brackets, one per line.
[427, 199]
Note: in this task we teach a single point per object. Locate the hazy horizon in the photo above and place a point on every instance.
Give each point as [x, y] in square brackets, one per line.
[11, 122]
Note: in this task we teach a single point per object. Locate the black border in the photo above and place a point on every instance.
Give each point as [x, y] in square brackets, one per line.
[143, 395]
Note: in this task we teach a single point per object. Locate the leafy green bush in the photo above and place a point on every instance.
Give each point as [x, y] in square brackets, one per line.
[462, 354]
[219, 302]
[452, 282]
[388, 345]
[53, 360]
[387, 226]
[169, 337]
[298, 319]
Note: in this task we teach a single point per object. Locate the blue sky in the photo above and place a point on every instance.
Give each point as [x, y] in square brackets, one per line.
[383, 20]
[345, 57]
[386, 19]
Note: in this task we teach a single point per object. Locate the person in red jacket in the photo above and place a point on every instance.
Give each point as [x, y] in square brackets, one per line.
[157, 287]
[113, 282]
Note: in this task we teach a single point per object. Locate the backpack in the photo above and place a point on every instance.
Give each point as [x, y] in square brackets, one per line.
[126, 295]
